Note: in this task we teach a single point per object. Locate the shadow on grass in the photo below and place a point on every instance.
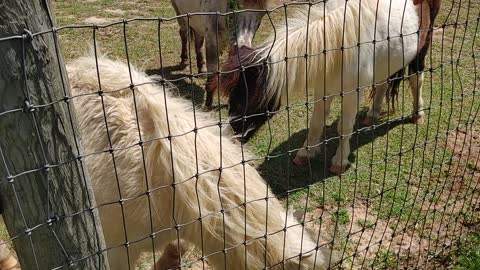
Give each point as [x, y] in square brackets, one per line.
[284, 176]
[187, 88]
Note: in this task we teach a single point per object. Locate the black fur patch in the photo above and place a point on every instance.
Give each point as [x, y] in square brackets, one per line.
[247, 105]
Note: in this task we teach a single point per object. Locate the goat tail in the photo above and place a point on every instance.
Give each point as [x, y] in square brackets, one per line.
[394, 86]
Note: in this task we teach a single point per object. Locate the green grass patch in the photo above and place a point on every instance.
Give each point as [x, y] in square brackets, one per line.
[467, 257]
[341, 217]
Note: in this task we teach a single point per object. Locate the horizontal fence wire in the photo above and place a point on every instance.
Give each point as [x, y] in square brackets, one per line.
[408, 198]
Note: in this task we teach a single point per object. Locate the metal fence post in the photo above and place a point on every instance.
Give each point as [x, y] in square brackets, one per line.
[47, 198]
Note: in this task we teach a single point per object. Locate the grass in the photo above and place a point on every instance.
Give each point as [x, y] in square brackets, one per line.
[3, 231]
[341, 216]
[469, 254]
[406, 180]
[4, 236]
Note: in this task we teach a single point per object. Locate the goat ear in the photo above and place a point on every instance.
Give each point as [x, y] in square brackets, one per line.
[234, 50]
[230, 79]
[436, 5]
[227, 81]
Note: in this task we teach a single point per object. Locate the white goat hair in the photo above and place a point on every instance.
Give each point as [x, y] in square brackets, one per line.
[176, 196]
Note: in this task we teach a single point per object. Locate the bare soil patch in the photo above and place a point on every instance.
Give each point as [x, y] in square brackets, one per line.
[97, 20]
[366, 240]
[465, 146]
[115, 11]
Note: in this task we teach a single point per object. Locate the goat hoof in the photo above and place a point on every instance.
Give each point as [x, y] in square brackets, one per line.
[368, 121]
[336, 170]
[183, 64]
[202, 69]
[207, 108]
[418, 119]
[171, 259]
[300, 160]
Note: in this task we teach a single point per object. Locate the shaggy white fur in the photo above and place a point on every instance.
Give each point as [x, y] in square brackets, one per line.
[152, 140]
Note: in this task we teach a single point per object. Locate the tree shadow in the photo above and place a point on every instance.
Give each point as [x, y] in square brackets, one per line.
[189, 87]
[283, 175]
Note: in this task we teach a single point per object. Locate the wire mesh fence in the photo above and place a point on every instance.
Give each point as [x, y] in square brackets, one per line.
[303, 182]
